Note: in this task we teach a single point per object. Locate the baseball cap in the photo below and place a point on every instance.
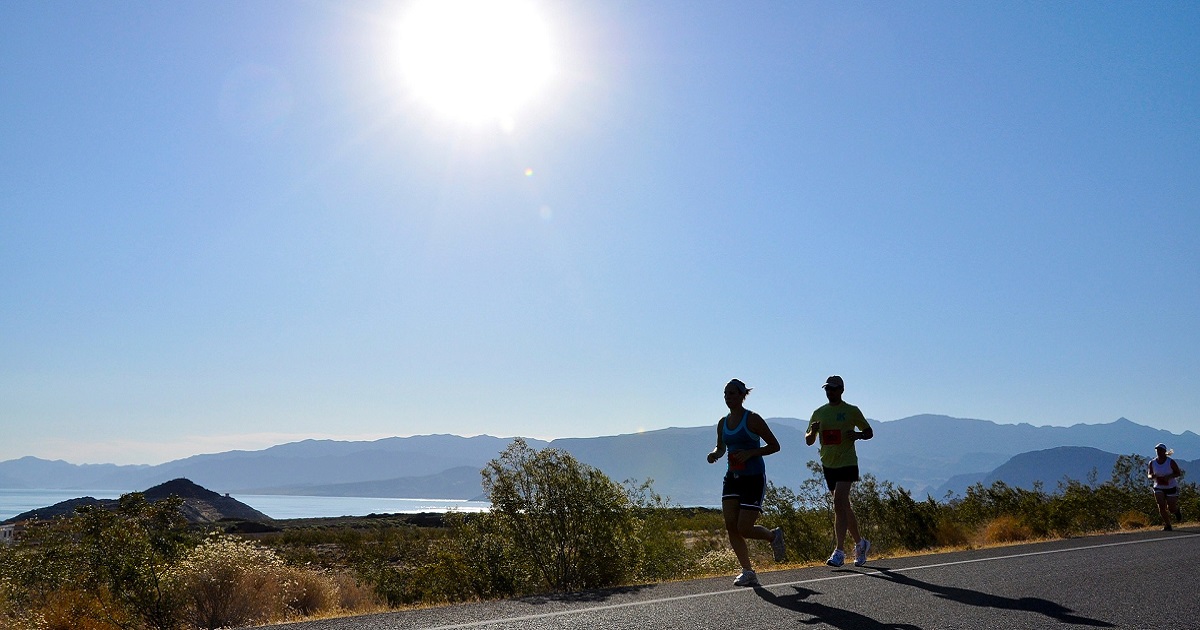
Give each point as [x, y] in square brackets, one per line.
[1160, 445]
[739, 386]
[834, 381]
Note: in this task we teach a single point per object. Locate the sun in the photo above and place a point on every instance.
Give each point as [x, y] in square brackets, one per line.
[475, 60]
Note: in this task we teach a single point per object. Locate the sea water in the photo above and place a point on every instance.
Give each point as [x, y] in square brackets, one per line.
[277, 506]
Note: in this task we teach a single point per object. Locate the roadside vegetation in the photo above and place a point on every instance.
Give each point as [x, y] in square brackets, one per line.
[555, 525]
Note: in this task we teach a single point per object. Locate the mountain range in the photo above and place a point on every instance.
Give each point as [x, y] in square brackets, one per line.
[926, 454]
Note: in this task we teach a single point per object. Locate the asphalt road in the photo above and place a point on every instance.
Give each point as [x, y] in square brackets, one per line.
[1133, 580]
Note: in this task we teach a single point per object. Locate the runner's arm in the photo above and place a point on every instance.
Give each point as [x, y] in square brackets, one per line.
[865, 432]
[719, 450]
[759, 426]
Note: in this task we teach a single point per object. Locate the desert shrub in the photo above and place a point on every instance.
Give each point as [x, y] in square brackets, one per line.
[99, 568]
[663, 553]
[983, 505]
[886, 514]
[406, 567]
[1080, 508]
[126, 554]
[570, 522]
[1129, 473]
[905, 523]
[718, 561]
[7, 609]
[72, 609]
[866, 496]
[437, 576]
[228, 582]
[353, 595]
[950, 533]
[806, 530]
[489, 562]
[1006, 529]
[1189, 499]
[307, 592]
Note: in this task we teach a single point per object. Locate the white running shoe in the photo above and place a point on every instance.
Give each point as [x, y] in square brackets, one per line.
[860, 552]
[747, 578]
[837, 559]
[777, 545]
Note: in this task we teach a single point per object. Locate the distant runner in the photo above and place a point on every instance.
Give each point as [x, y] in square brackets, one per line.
[742, 433]
[835, 423]
[1165, 473]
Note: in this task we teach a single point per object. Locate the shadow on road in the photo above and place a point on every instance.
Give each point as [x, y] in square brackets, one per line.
[828, 615]
[979, 598]
[582, 597]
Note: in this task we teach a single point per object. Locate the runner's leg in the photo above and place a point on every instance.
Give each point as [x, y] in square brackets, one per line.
[732, 511]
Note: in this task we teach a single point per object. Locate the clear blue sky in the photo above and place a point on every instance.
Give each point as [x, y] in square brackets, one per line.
[234, 224]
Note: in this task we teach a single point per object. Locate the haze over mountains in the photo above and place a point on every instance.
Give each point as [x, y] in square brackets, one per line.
[926, 454]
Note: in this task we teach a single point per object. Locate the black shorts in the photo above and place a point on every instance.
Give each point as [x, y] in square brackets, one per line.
[749, 490]
[1167, 492]
[844, 473]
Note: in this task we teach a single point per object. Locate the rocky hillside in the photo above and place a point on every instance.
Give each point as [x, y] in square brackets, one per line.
[200, 505]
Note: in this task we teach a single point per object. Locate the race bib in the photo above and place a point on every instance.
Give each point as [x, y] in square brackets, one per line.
[735, 464]
[831, 437]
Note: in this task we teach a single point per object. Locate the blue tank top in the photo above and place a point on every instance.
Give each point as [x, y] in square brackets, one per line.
[741, 438]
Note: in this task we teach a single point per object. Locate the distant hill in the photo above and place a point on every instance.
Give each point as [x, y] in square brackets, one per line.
[200, 505]
[1051, 467]
[926, 454]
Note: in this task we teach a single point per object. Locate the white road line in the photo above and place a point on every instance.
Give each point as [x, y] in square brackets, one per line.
[841, 576]
[973, 560]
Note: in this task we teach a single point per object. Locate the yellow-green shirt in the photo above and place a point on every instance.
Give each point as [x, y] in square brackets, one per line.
[836, 421]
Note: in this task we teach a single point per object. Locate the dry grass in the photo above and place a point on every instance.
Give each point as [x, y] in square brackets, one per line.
[1134, 520]
[1005, 529]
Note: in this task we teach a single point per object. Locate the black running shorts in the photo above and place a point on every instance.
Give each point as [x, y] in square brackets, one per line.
[749, 490]
[844, 473]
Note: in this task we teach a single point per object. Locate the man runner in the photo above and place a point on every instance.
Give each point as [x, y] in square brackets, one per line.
[835, 424]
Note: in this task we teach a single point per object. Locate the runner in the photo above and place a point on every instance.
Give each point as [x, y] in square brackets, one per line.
[835, 423]
[1165, 473]
[742, 433]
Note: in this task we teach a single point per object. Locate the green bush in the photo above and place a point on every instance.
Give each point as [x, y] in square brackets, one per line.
[663, 553]
[886, 515]
[386, 559]
[571, 523]
[489, 563]
[98, 568]
[808, 532]
[805, 515]
[911, 525]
